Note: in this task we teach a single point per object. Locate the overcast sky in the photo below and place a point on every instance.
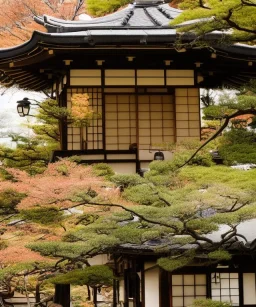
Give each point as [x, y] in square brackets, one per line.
[10, 121]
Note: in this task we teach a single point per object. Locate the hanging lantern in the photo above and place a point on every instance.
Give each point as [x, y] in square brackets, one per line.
[23, 107]
[159, 156]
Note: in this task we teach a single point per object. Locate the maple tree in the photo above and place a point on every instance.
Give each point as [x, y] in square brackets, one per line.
[17, 24]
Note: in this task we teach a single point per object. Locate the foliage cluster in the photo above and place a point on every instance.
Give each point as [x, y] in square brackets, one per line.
[102, 7]
[209, 303]
[34, 152]
[72, 215]
[94, 276]
[210, 15]
[238, 146]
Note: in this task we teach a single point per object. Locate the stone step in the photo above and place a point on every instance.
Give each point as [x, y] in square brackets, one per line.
[20, 300]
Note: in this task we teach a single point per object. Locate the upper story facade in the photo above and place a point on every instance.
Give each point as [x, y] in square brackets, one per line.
[142, 77]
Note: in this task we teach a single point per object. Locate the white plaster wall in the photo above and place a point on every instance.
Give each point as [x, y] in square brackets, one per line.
[249, 289]
[121, 291]
[151, 285]
[98, 260]
[123, 168]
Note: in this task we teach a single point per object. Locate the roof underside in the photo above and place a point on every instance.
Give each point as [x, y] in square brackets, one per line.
[141, 31]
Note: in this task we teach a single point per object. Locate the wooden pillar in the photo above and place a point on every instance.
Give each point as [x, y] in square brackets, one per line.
[95, 289]
[62, 295]
[62, 122]
[164, 289]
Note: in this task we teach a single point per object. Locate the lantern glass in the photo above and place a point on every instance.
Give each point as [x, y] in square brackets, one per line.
[23, 107]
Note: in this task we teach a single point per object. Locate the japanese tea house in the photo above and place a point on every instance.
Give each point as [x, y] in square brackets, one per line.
[141, 76]
[144, 78]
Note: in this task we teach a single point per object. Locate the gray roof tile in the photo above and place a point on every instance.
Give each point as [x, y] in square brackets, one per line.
[140, 17]
[134, 16]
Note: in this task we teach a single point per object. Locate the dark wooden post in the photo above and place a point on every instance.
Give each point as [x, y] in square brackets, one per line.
[164, 289]
[62, 295]
[95, 296]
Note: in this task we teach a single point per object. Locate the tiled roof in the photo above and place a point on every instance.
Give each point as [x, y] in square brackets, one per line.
[134, 16]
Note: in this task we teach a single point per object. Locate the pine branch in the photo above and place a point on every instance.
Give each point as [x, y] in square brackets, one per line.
[78, 6]
[201, 4]
[248, 3]
[218, 132]
[233, 24]
[143, 218]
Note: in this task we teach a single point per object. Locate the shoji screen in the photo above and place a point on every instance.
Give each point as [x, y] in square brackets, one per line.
[155, 120]
[120, 124]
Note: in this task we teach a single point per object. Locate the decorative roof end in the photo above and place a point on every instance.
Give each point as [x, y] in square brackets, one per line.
[142, 3]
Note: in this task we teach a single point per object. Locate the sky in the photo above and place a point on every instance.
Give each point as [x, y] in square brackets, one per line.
[10, 121]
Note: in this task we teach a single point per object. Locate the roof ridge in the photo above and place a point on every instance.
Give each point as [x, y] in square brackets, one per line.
[127, 18]
[166, 11]
[153, 19]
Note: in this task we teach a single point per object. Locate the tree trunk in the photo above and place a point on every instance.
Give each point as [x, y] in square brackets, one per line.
[62, 295]
[37, 294]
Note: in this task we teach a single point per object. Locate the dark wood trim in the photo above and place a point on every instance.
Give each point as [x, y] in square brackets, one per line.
[126, 287]
[62, 295]
[208, 285]
[241, 288]
[164, 289]
[142, 282]
[63, 124]
[170, 289]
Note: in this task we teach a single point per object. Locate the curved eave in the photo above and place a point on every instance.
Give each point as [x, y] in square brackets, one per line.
[21, 64]
[113, 37]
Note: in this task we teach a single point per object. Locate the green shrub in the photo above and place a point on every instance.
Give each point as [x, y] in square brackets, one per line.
[237, 153]
[103, 7]
[127, 180]
[209, 303]
[102, 170]
[238, 146]
[43, 215]
[141, 194]
[9, 199]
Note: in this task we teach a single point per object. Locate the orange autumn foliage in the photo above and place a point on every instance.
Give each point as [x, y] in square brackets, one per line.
[63, 185]
[16, 17]
[57, 186]
[19, 254]
[81, 111]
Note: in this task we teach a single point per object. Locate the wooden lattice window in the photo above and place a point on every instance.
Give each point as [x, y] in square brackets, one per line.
[90, 137]
[225, 287]
[186, 288]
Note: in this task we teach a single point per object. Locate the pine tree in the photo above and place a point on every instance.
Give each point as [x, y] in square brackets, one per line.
[239, 16]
